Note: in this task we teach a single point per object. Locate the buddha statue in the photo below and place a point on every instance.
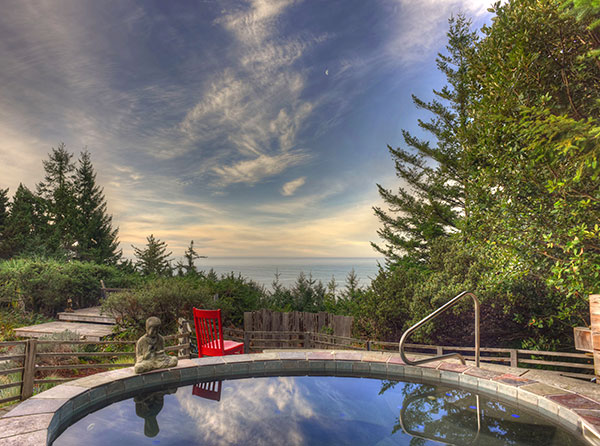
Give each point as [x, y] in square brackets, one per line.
[150, 350]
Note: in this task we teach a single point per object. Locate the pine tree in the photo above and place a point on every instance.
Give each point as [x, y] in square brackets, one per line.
[3, 214]
[57, 191]
[153, 260]
[189, 256]
[26, 225]
[96, 239]
[433, 200]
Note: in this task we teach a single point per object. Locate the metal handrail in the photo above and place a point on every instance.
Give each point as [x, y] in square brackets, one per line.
[436, 313]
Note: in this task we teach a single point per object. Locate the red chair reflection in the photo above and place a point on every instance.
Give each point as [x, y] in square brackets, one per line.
[210, 390]
[209, 335]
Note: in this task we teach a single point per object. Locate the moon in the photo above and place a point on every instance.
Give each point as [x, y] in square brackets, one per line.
[327, 72]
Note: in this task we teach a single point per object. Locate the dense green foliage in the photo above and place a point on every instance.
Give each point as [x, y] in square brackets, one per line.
[174, 297]
[507, 203]
[44, 286]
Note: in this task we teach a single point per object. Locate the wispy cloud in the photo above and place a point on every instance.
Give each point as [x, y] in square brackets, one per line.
[256, 105]
[421, 26]
[255, 169]
[291, 187]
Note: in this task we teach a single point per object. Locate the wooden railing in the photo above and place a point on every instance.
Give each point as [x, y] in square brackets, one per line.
[576, 365]
[24, 365]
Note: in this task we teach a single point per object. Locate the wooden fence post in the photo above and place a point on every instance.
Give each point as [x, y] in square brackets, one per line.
[184, 330]
[514, 362]
[368, 346]
[28, 369]
[246, 342]
[308, 341]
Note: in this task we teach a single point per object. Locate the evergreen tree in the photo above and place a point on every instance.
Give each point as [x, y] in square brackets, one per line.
[3, 218]
[153, 260]
[26, 226]
[57, 191]
[96, 239]
[433, 200]
[189, 256]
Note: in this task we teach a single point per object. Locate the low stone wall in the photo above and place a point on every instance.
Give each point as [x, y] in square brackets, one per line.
[573, 404]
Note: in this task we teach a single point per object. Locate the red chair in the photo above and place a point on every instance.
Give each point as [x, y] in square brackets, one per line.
[209, 335]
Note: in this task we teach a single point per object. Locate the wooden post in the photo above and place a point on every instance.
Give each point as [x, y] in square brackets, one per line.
[184, 330]
[308, 342]
[595, 326]
[439, 350]
[514, 362]
[28, 369]
[246, 342]
[368, 346]
[247, 321]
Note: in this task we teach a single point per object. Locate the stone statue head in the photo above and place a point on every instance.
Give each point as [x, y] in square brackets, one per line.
[152, 324]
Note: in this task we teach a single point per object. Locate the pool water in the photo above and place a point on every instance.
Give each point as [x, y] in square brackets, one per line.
[313, 410]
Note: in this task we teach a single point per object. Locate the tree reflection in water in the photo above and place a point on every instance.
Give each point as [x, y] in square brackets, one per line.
[459, 417]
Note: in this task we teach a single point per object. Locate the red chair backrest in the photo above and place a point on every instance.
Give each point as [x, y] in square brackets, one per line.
[209, 332]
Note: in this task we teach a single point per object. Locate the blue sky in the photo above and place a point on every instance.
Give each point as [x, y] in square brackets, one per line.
[255, 128]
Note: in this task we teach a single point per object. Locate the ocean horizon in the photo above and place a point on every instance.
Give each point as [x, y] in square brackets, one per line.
[263, 269]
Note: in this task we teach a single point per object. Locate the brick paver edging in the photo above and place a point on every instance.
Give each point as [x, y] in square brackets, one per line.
[39, 420]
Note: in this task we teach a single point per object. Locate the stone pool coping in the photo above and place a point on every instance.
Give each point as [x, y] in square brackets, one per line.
[573, 404]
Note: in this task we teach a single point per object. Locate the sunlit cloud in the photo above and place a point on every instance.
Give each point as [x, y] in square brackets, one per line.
[291, 187]
[253, 170]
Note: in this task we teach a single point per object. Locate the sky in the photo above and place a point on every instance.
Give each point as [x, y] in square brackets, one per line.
[254, 128]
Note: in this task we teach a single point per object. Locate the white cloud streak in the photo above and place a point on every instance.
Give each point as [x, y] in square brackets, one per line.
[291, 187]
[422, 26]
[255, 106]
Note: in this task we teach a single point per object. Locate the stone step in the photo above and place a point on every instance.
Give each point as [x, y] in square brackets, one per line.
[92, 314]
[87, 331]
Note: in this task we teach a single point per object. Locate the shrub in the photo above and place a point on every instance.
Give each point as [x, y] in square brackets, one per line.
[44, 286]
[172, 297]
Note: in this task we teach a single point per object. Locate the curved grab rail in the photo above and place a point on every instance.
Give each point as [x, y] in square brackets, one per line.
[436, 313]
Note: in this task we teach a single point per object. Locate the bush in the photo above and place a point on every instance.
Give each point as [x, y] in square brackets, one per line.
[516, 311]
[172, 297]
[44, 286]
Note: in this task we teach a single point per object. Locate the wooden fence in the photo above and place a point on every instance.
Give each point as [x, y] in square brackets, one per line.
[576, 365]
[298, 321]
[26, 364]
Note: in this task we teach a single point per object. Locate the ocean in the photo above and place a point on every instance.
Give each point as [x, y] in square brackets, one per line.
[263, 269]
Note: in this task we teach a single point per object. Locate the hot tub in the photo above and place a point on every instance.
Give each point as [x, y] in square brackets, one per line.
[306, 397]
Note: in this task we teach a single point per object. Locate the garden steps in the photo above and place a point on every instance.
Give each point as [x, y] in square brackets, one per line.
[89, 323]
[92, 314]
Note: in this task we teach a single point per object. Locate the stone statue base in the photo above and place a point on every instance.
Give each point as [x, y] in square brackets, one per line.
[163, 362]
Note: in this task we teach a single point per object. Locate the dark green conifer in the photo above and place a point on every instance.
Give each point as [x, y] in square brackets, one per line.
[153, 260]
[57, 191]
[432, 197]
[95, 236]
